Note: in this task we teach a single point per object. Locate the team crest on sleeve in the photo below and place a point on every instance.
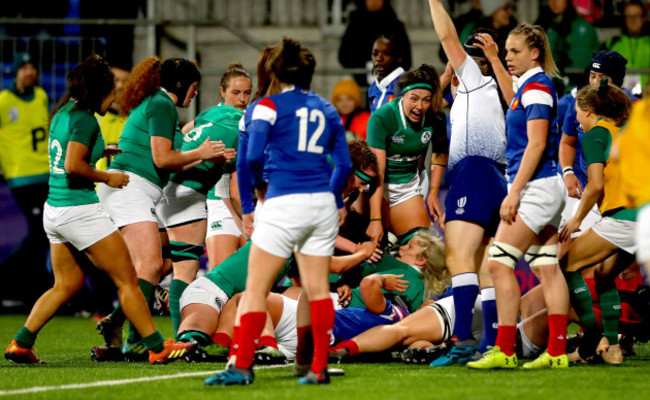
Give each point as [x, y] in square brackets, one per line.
[426, 136]
[13, 114]
[515, 103]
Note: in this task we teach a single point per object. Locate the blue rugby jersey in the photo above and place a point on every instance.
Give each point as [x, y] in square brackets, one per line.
[290, 136]
[571, 127]
[353, 321]
[384, 92]
[535, 98]
[244, 176]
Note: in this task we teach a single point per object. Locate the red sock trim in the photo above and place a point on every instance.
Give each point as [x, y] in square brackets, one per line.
[251, 327]
[322, 323]
[222, 338]
[557, 324]
[235, 342]
[305, 346]
[268, 340]
[349, 345]
[507, 338]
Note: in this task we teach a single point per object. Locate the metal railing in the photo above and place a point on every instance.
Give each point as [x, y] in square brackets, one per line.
[54, 58]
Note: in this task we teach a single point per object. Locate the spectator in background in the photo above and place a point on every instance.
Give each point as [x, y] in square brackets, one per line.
[473, 15]
[346, 97]
[24, 162]
[573, 40]
[388, 65]
[634, 44]
[497, 19]
[113, 122]
[371, 19]
[591, 10]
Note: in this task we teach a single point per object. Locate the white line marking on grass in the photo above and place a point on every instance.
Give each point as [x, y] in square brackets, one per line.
[116, 382]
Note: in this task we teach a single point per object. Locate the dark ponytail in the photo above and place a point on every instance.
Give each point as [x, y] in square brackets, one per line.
[177, 75]
[294, 64]
[88, 84]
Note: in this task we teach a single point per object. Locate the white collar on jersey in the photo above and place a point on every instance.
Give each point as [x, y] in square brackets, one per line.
[415, 267]
[383, 85]
[403, 116]
[519, 82]
[289, 88]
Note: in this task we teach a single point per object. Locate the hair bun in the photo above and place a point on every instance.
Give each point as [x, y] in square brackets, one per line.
[234, 65]
[428, 69]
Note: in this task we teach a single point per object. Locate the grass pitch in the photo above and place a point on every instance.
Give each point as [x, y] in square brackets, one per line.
[70, 374]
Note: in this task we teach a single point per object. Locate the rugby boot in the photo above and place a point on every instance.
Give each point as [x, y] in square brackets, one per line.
[547, 361]
[494, 358]
[172, 351]
[19, 355]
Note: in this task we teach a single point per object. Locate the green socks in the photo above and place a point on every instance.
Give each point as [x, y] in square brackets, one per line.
[176, 289]
[147, 290]
[610, 309]
[154, 342]
[25, 338]
[580, 298]
[202, 338]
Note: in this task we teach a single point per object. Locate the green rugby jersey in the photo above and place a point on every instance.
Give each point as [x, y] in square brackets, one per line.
[155, 116]
[231, 274]
[413, 296]
[404, 142]
[216, 123]
[77, 126]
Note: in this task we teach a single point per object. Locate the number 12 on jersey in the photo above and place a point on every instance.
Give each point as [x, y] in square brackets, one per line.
[315, 115]
[54, 167]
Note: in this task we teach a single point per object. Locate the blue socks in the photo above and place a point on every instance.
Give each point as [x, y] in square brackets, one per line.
[465, 291]
[490, 318]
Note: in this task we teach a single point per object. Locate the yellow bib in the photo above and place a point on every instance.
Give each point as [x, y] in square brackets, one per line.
[634, 154]
[111, 126]
[23, 135]
[613, 198]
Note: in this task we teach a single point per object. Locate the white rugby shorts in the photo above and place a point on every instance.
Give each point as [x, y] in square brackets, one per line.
[220, 220]
[204, 291]
[305, 223]
[643, 234]
[82, 225]
[618, 232]
[181, 204]
[397, 193]
[542, 202]
[136, 202]
[569, 211]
